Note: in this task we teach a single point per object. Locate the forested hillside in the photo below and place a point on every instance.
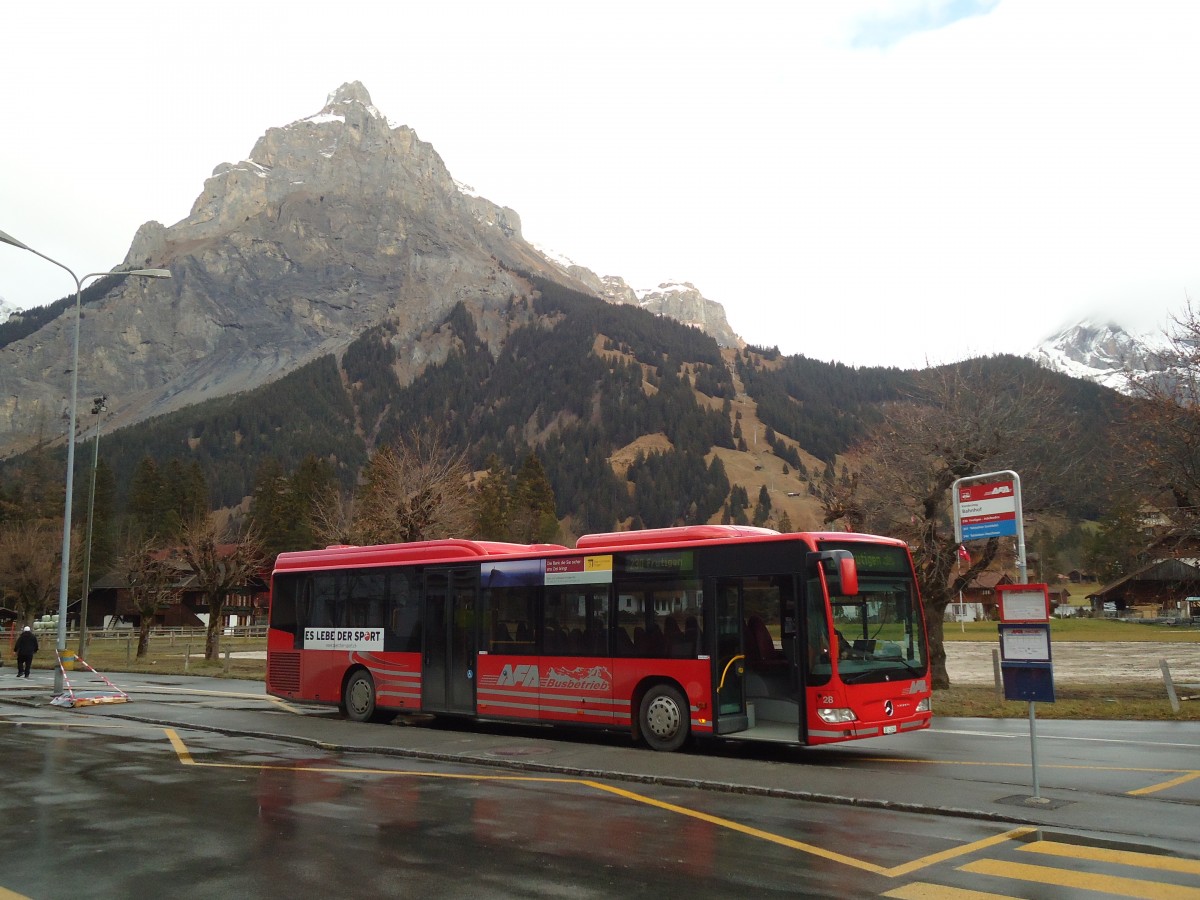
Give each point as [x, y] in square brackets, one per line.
[577, 381]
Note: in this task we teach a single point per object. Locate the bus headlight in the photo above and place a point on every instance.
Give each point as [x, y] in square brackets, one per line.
[925, 705]
[837, 716]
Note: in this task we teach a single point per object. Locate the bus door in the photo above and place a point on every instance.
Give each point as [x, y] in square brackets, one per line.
[761, 609]
[448, 678]
[729, 672]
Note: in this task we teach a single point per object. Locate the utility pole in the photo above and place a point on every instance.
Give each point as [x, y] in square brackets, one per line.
[99, 405]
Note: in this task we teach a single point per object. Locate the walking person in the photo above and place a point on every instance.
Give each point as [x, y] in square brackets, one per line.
[25, 646]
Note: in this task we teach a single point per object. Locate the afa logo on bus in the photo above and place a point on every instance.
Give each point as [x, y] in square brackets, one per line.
[518, 676]
[581, 678]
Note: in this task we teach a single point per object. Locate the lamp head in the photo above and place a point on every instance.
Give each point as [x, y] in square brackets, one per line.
[7, 238]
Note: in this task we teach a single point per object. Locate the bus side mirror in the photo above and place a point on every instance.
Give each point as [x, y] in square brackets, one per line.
[841, 572]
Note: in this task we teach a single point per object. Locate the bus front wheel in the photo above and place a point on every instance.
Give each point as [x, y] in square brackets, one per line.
[664, 718]
[358, 698]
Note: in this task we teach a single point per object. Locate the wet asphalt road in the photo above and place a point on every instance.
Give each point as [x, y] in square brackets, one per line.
[203, 788]
[111, 809]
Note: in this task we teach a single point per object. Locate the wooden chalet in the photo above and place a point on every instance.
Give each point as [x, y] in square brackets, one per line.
[110, 603]
[1166, 588]
[982, 592]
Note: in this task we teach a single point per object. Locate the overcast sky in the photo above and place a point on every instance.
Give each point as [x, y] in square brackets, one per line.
[875, 183]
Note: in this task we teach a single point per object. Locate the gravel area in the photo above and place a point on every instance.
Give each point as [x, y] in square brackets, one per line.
[970, 662]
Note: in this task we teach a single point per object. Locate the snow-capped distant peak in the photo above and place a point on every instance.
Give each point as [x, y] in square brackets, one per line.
[671, 286]
[1104, 352]
[560, 259]
[7, 309]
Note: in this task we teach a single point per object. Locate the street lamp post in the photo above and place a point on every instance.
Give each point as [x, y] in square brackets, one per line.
[99, 405]
[64, 574]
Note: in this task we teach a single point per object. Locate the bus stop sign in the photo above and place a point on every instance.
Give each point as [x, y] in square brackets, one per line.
[986, 510]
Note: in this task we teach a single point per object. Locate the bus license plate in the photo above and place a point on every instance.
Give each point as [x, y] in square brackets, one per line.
[890, 729]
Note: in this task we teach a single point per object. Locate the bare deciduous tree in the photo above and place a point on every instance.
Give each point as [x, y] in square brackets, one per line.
[414, 491]
[332, 518]
[29, 567]
[222, 563]
[1165, 437]
[152, 581]
[960, 421]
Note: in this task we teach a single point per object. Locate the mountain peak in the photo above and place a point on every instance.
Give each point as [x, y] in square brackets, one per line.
[1104, 351]
[350, 92]
[348, 103]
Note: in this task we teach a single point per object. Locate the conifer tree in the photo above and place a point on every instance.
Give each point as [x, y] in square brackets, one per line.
[492, 499]
[273, 509]
[762, 509]
[313, 484]
[147, 504]
[534, 518]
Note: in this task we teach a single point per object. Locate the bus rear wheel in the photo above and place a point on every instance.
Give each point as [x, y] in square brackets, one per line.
[358, 697]
[664, 718]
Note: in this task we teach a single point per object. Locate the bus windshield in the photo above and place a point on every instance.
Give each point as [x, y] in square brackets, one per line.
[878, 631]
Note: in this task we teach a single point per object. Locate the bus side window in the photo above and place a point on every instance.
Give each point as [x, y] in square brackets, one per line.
[576, 620]
[403, 630]
[321, 610]
[285, 605]
[511, 609]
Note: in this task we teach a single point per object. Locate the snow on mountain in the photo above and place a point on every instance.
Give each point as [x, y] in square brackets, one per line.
[7, 309]
[671, 286]
[1104, 352]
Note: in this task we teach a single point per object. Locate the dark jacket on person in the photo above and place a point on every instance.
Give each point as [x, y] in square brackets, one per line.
[26, 645]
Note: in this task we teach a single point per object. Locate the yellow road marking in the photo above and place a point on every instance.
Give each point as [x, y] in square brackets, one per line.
[744, 829]
[185, 757]
[954, 852]
[283, 704]
[1104, 884]
[181, 749]
[1174, 782]
[923, 890]
[1122, 857]
[6, 894]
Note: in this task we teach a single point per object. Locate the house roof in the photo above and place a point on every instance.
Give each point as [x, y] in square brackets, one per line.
[1162, 570]
[987, 580]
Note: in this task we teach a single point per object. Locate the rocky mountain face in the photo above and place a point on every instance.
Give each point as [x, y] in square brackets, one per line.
[679, 300]
[335, 223]
[1105, 353]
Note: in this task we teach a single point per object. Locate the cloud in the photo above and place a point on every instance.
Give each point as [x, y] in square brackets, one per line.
[889, 23]
[960, 183]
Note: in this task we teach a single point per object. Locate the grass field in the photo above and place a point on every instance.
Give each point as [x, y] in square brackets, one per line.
[1115, 700]
[1083, 630]
[168, 654]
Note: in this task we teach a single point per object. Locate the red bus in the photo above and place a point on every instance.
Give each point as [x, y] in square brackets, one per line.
[710, 630]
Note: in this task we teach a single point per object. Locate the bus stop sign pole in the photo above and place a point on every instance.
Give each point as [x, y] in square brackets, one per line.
[987, 506]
